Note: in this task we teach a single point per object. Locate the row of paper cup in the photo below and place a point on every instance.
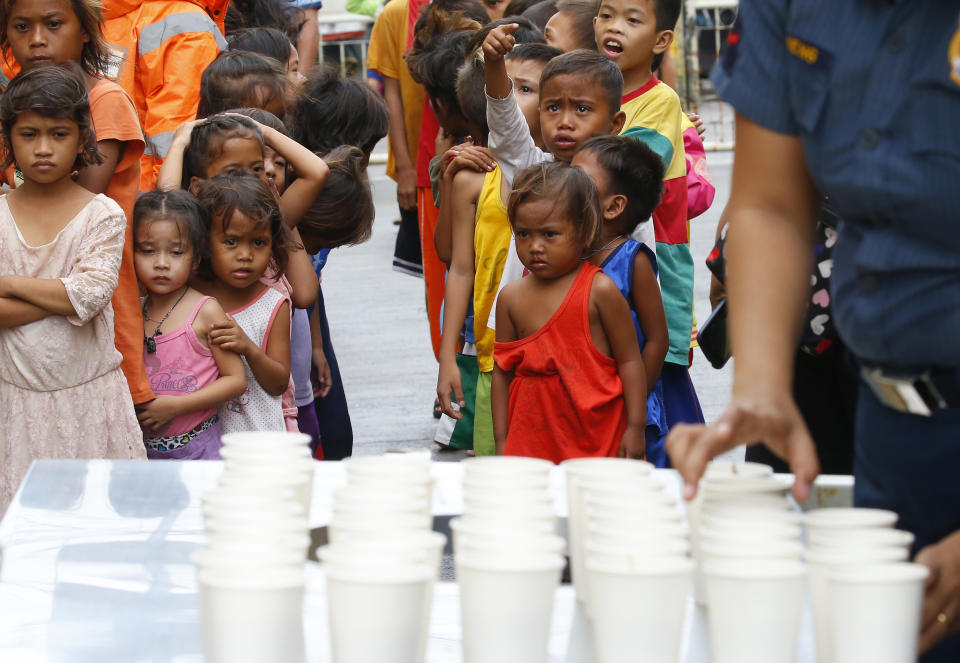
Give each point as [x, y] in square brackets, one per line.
[508, 559]
[383, 560]
[250, 572]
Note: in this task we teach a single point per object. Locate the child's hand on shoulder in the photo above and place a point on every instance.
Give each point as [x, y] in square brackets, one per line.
[633, 444]
[157, 413]
[499, 42]
[228, 335]
[182, 135]
[469, 156]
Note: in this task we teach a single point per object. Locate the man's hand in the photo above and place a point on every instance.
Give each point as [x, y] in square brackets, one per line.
[941, 605]
[407, 188]
[321, 376]
[449, 382]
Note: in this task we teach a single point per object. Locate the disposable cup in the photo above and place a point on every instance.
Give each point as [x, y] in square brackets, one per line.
[265, 440]
[860, 538]
[821, 563]
[477, 525]
[252, 525]
[261, 511]
[755, 607]
[373, 526]
[394, 465]
[378, 614]
[229, 498]
[539, 511]
[640, 501]
[251, 617]
[246, 547]
[250, 559]
[297, 476]
[725, 468]
[485, 482]
[753, 550]
[613, 529]
[597, 510]
[606, 466]
[349, 510]
[746, 513]
[506, 605]
[414, 544]
[273, 539]
[505, 466]
[266, 456]
[515, 544]
[625, 551]
[638, 609]
[876, 612]
[848, 518]
[749, 533]
[720, 487]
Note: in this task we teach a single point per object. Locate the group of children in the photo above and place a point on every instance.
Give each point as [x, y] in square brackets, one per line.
[523, 122]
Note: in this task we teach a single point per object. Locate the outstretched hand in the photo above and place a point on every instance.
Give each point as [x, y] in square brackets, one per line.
[941, 604]
[499, 42]
[467, 155]
[747, 420]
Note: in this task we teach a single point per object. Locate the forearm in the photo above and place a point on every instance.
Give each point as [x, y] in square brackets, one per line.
[303, 280]
[48, 294]
[496, 79]
[215, 394]
[272, 375]
[316, 331]
[398, 128]
[653, 354]
[457, 291]
[171, 170]
[500, 406]
[443, 233]
[96, 177]
[634, 392]
[307, 165]
[16, 312]
[308, 43]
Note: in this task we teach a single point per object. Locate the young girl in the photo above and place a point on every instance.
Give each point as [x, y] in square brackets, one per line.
[568, 379]
[61, 387]
[191, 377]
[246, 234]
[41, 32]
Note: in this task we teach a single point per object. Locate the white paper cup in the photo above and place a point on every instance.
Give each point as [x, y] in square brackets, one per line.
[613, 529]
[729, 469]
[627, 552]
[266, 456]
[407, 545]
[373, 526]
[277, 510]
[247, 559]
[272, 539]
[252, 525]
[295, 475]
[639, 501]
[361, 508]
[506, 466]
[234, 546]
[748, 533]
[378, 615]
[720, 487]
[876, 612]
[860, 538]
[821, 563]
[506, 605]
[475, 525]
[638, 611]
[749, 518]
[265, 440]
[755, 608]
[251, 617]
[506, 543]
[754, 550]
[848, 518]
[393, 466]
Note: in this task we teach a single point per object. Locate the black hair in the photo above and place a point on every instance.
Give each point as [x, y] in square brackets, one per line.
[573, 191]
[442, 16]
[472, 95]
[541, 53]
[526, 33]
[667, 14]
[331, 110]
[343, 212]
[280, 14]
[592, 68]
[265, 41]
[437, 66]
[264, 117]
[227, 193]
[240, 79]
[517, 7]
[179, 206]
[55, 91]
[633, 170]
[541, 12]
[206, 143]
[582, 13]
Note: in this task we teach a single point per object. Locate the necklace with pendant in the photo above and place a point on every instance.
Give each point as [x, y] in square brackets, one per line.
[606, 246]
[151, 341]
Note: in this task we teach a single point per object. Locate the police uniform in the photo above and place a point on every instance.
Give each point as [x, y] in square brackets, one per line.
[872, 90]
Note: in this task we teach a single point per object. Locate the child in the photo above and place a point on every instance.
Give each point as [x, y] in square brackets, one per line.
[629, 180]
[240, 79]
[246, 235]
[273, 44]
[635, 34]
[63, 393]
[569, 378]
[41, 33]
[191, 377]
[572, 26]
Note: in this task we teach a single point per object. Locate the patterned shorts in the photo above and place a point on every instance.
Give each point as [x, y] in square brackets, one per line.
[172, 442]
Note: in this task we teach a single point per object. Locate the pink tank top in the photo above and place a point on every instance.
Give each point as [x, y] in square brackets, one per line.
[181, 365]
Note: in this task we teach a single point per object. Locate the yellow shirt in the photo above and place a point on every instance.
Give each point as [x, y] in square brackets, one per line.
[491, 242]
[389, 41]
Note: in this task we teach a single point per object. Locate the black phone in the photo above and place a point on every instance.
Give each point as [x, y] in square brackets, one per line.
[713, 339]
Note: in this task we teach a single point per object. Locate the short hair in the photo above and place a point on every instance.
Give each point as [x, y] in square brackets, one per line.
[517, 7]
[331, 110]
[227, 193]
[240, 79]
[56, 91]
[96, 56]
[264, 117]
[526, 33]
[343, 213]
[667, 13]
[178, 206]
[541, 53]
[280, 14]
[633, 170]
[593, 68]
[582, 13]
[266, 41]
[207, 139]
[472, 95]
[574, 193]
[437, 66]
[442, 16]
[541, 12]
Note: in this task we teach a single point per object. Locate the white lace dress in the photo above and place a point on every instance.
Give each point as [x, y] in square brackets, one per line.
[62, 394]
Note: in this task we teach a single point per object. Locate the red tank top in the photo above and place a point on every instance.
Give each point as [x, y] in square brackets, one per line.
[566, 397]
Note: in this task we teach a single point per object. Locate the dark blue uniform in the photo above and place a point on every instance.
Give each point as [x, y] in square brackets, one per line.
[872, 90]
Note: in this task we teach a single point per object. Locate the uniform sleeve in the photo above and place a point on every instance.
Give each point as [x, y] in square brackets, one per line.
[509, 138]
[386, 45]
[91, 283]
[751, 73]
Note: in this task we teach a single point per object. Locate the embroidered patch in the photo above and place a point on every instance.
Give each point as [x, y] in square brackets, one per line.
[953, 55]
[813, 55]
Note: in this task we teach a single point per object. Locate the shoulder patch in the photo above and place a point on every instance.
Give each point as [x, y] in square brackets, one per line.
[953, 55]
[810, 53]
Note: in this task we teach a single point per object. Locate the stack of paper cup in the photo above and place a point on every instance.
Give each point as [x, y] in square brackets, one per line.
[841, 540]
[508, 559]
[250, 572]
[383, 560]
[635, 560]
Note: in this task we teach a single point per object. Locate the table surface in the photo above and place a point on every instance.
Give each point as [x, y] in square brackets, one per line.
[96, 567]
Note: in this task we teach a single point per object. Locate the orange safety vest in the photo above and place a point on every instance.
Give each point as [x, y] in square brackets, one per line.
[162, 48]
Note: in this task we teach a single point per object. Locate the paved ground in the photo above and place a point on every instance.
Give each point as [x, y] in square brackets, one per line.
[379, 327]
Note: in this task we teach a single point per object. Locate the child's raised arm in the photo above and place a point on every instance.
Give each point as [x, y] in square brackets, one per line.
[231, 384]
[270, 367]
[645, 292]
[303, 280]
[501, 379]
[496, 45]
[311, 172]
[171, 170]
[618, 326]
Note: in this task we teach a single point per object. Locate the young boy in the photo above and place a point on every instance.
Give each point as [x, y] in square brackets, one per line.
[481, 238]
[635, 34]
[629, 180]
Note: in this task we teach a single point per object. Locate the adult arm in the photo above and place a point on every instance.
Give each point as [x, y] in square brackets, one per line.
[308, 43]
[773, 205]
[406, 171]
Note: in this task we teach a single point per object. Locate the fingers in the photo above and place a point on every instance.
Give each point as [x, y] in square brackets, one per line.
[804, 463]
[499, 41]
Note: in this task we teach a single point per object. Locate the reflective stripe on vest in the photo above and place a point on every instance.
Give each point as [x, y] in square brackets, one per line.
[153, 36]
[159, 144]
